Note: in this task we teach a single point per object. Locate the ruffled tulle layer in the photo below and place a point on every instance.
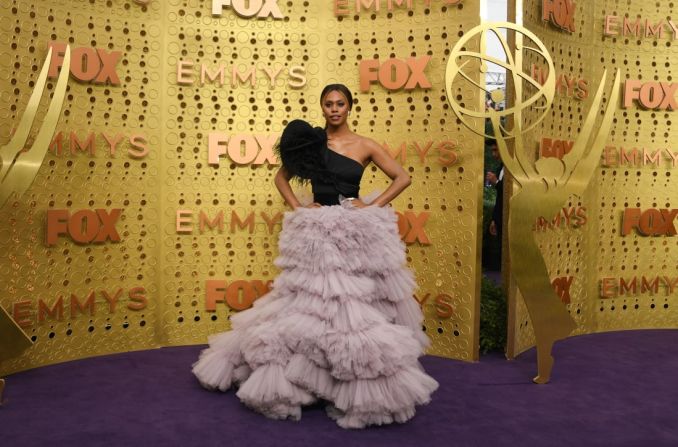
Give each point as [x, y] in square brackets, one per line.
[340, 324]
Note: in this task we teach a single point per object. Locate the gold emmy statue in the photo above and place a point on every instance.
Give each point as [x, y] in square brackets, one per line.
[19, 167]
[544, 184]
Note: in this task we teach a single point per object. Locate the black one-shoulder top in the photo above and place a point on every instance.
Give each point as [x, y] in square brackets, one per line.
[344, 178]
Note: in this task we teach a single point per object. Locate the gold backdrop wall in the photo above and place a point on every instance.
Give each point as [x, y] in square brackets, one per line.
[175, 277]
[612, 281]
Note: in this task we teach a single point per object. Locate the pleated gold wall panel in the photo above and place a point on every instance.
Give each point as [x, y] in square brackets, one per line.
[607, 270]
[175, 117]
[123, 175]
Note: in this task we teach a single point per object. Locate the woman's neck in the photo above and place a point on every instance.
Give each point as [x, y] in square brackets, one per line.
[338, 131]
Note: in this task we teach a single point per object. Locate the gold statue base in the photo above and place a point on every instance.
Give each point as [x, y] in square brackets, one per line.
[544, 367]
[13, 341]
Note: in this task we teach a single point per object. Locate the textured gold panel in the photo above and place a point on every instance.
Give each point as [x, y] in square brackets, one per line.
[31, 271]
[176, 121]
[597, 250]
[421, 117]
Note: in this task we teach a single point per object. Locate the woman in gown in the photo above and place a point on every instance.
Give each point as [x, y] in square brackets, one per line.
[340, 323]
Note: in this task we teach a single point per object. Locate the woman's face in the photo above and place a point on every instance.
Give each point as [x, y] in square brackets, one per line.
[335, 108]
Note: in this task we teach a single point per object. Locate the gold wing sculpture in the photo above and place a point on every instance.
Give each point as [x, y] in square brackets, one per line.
[19, 166]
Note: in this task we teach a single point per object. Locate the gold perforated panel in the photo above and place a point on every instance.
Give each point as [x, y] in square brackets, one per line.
[163, 107]
[66, 273]
[608, 268]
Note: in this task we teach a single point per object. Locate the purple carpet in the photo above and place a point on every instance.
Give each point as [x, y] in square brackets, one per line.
[614, 389]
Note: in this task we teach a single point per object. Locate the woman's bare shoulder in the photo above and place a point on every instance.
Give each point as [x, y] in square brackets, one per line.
[368, 144]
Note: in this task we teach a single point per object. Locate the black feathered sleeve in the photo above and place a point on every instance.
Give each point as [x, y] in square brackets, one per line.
[302, 150]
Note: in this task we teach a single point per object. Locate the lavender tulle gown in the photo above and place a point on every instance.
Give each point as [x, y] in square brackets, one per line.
[340, 324]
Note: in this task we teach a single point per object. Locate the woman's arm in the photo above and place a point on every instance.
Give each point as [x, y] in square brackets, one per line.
[282, 182]
[386, 163]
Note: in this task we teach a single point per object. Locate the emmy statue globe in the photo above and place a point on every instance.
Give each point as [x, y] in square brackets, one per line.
[545, 184]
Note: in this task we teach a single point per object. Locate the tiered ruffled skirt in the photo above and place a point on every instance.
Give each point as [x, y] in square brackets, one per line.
[340, 324]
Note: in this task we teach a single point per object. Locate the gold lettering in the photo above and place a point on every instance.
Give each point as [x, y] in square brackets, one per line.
[341, 8]
[610, 156]
[656, 30]
[607, 288]
[21, 313]
[297, 77]
[112, 142]
[272, 73]
[55, 312]
[367, 4]
[139, 148]
[249, 75]
[651, 158]
[631, 28]
[137, 297]
[77, 306]
[674, 29]
[184, 73]
[112, 300]
[217, 222]
[205, 73]
[423, 151]
[56, 145]
[671, 284]
[184, 221]
[631, 287]
[646, 286]
[632, 157]
[674, 157]
[87, 146]
[271, 221]
[611, 22]
[247, 223]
